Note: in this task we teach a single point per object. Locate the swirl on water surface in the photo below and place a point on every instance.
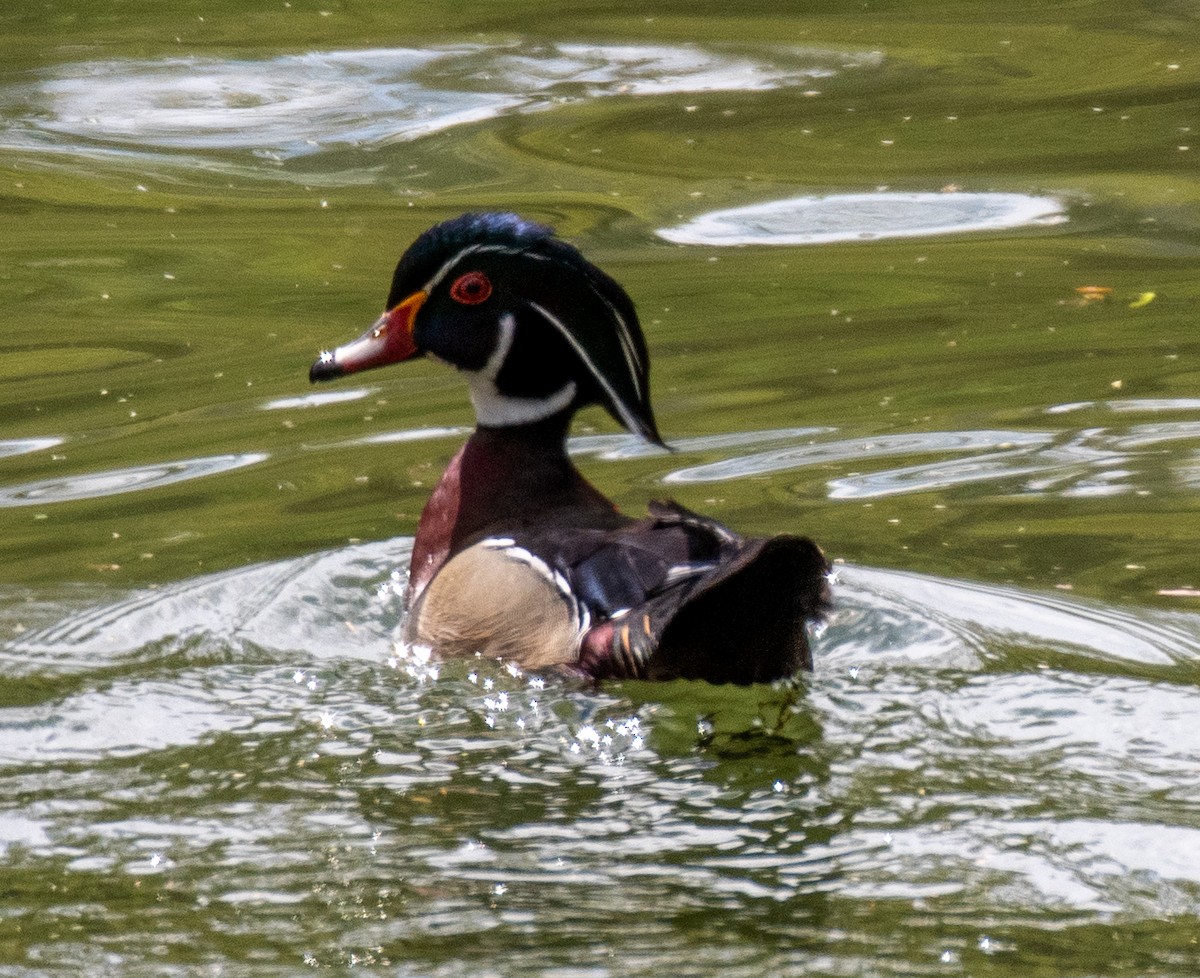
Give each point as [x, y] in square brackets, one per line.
[294, 105]
[112, 482]
[865, 217]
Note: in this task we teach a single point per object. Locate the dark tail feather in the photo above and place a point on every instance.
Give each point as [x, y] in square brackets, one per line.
[751, 624]
[747, 622]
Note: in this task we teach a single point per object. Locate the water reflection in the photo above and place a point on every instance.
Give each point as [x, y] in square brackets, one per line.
[814, 453]
[294, 105]
[862, 217]
[613, 448]
[1092, 462]
[21, 446]
[1134, 406]
[299, 606]
[318, 399]
[1088, 463]
[397, 437]
[115, 481]
[254, 732]
[411, 434]
[894, 614]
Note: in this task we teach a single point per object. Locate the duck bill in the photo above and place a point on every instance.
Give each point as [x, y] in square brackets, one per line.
[389, 340]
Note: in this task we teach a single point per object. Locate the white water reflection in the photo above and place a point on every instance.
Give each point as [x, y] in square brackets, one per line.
[342, 603]
[1142, 435]
[864, 217]
[937, 475]
[798, 456]
[411, 434]
[1093, 462]
[1084, 465]
[115, 481]
[318, 399]
[22, 446]
[408, 434]
[1089, 463]
[293, 105]
[613, 448]
[882, 611]
[1144, 405]
[301, 604]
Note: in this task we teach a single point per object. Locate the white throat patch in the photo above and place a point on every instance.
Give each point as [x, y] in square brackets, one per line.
[496, 410]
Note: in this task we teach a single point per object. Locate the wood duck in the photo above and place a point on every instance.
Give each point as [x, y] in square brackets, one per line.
[516, 554]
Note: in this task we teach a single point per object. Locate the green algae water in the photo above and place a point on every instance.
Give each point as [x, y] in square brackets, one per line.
[919, 280]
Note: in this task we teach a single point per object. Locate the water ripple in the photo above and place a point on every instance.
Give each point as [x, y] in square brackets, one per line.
[318, 399]
[1091, 463]
[613, 448]
[1141, 405]
[294, 105]
[782, 459]
[308, 604]
[895, 613]
[863, 217]
[114, 481]
[290, 754]
[21, 446]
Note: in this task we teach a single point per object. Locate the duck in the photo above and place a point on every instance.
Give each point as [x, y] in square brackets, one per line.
[517, 555]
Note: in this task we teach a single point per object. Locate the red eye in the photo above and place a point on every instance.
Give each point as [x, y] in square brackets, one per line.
[471, 289]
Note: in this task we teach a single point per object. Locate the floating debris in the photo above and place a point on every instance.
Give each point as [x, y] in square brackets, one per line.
[1093, 293]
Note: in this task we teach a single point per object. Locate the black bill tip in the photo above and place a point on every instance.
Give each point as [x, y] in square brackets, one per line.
[325, 368]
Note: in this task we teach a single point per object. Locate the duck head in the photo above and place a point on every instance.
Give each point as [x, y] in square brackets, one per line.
[536, 329]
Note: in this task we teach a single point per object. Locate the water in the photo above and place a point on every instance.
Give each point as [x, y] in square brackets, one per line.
[213, 757]
[238, 770]
[865, 217]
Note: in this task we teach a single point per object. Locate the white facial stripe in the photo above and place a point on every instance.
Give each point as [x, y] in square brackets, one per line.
[627, 417]
[628, 350]
[636, 367]
[471, 250]
[496, 410]
[504, 342]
